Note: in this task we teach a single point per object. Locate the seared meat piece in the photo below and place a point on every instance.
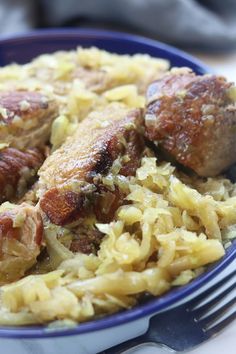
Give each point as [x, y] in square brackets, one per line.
[17, 171]
[21, 231]
[86, 240]
[25, 122]
[26, 118]
[193, 119]
[71, 178]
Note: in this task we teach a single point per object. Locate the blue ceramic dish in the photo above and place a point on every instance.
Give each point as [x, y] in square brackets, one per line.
[96, 335]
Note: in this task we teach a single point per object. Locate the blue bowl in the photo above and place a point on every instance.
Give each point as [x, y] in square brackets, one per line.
[22, 49]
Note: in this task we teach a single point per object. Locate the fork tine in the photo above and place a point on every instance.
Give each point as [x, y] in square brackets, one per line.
[200, 311]
[221, 325]
[213, 317]
[198, 299]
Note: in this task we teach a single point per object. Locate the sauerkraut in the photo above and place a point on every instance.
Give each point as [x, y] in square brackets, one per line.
[160, 239]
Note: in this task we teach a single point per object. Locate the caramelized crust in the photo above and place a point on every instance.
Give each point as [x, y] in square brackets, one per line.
[63, 206]
[70, 179]
[193, 118]
[21, 232]
[25, 118]
[17, 171]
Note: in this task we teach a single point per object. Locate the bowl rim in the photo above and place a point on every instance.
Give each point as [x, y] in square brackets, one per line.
[155, 305]
[52, 33]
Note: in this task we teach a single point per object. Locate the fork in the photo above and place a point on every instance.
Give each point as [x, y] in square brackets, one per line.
[192, 323]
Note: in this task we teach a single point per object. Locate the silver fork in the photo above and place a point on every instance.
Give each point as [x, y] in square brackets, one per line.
[192, 323]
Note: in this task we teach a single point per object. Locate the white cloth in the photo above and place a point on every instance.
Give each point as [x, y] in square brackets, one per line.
[204, 24]
[16, 16]
[207, 24]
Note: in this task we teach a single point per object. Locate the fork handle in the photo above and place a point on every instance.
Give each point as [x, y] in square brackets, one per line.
[129, 344]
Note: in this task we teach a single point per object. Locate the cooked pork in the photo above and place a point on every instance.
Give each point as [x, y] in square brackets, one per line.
[26, 118]
[21, 231]
[193, 119]
[25, 122]
[86, 240]
[17, 171]
[71, 178]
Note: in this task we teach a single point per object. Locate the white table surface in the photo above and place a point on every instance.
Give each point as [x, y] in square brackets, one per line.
[226, 341]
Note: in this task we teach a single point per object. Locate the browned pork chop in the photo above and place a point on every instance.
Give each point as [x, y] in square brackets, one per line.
[193, 119]
[25, 125]
[71, 178]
